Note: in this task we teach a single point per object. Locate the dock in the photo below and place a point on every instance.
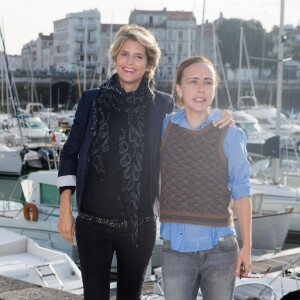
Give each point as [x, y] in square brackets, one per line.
[14, 289]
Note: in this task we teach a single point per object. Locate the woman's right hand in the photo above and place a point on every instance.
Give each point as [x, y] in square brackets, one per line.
[226, 120]
[66, 224]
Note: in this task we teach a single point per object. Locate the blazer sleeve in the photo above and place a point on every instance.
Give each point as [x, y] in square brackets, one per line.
[70, 153]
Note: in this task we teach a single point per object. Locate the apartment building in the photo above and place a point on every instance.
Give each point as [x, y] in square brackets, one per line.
[108, 32]
[81, 42]
[44, 52]
[76, 42]
[15, 63]
[28, 56]
[176, 35]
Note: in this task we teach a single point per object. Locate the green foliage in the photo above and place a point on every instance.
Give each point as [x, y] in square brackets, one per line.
[292, 45]
[258, 42]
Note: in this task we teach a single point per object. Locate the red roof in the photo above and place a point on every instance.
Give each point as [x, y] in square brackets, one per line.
[171, 15]
[180, 15]
[153, 12]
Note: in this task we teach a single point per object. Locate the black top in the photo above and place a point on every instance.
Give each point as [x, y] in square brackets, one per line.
[102, 198]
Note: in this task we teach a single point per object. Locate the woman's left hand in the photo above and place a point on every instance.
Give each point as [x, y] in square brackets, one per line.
[243, 264]
[226, 120]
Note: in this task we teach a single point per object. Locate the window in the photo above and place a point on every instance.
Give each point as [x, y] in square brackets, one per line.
[180, 48]
[150, 20]
[50, 195]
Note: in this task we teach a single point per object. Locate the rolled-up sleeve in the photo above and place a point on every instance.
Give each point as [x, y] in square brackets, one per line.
[235, 143]
[67, 180]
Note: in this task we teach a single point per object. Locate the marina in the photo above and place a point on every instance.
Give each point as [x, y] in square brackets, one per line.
[39, 96]
[266, 232]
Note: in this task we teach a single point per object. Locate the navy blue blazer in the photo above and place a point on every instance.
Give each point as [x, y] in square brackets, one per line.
[74, 155]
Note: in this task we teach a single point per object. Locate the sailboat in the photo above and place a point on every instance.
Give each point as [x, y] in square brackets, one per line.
[31, 132]
[268, 116]
[280, 195]
[10, 154]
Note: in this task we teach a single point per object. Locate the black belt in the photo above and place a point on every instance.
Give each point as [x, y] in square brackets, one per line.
[114, 223]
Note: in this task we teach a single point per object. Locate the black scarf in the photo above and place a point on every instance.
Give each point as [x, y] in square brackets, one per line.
[113, 98]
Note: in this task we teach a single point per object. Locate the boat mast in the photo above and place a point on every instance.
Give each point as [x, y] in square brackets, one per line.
[239, 104]
[85, 51]
[280, 68]
[279, 84]
[2, 81]
[202, 30]
[218, 55]
[11, 86]
[31, 68]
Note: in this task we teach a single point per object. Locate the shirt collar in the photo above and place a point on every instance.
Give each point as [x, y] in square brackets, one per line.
[214, 115]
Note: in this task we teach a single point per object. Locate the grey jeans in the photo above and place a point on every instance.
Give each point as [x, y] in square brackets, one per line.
[213, 271]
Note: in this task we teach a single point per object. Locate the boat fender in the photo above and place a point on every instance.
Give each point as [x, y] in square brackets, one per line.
[26, 210]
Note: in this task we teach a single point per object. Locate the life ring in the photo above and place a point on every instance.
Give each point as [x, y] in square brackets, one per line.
[26, 211]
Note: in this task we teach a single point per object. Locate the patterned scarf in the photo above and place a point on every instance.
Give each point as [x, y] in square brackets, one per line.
[112, 98]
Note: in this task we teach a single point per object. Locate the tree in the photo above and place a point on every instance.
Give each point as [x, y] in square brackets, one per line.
[258, 42]
[292, 44]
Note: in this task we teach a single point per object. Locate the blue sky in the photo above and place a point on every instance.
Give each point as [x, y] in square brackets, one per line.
[23, 20]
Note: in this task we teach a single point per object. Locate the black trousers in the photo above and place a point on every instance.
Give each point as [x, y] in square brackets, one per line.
[96, 246]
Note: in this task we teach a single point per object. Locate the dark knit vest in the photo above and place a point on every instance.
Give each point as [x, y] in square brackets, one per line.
[194, 177]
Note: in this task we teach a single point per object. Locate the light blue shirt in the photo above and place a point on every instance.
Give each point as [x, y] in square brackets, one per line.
[191, 238]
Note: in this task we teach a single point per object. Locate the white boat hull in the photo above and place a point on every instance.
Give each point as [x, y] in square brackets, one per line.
[269, 229]
[22, 258]
[10, 161]
[279, 197]
[44, 231]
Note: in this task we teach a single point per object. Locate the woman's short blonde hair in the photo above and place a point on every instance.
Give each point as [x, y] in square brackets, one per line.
[143, 36]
